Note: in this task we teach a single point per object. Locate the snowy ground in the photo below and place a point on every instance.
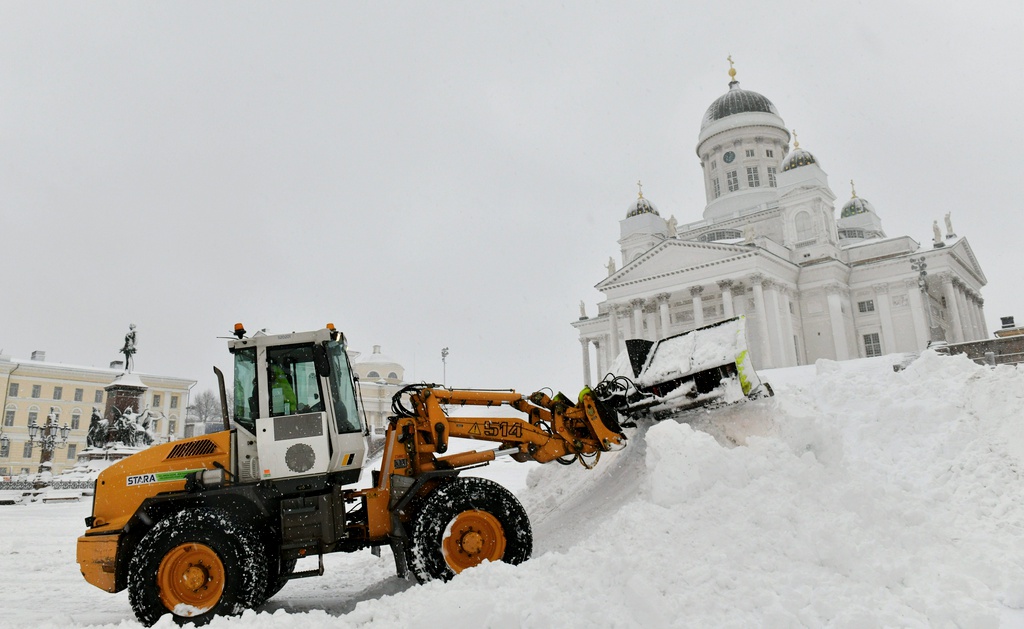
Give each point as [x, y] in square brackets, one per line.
[857, 497]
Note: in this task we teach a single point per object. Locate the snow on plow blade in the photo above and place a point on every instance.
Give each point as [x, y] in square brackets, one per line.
[702, 367]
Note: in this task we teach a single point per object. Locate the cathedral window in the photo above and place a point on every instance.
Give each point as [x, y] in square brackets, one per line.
[720, 234]
[804, 227]
[753, 178]
[769, 153]
[872, 346]
[732, 180]
[771, 175]
[714, 164]
[866, 306]
[750, 152]
[718, 188]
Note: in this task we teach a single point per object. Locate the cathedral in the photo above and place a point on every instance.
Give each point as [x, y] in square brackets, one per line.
[770, 247]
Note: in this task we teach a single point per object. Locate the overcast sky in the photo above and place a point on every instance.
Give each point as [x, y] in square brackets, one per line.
[449, 174]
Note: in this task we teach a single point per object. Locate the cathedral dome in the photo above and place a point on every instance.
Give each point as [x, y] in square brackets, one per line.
[641, 206]
[798, 157]
[856, 205]
[378, 366]
[737, 101]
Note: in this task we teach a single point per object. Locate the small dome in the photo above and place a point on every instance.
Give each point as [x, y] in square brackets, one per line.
[856, 205]
[796, 158]
[641, 206]
[378, 365]
[737, 101]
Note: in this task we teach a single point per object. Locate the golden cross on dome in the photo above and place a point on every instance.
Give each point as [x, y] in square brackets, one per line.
[796, 142]
[640, 186]
[853, 189]
[732, 70]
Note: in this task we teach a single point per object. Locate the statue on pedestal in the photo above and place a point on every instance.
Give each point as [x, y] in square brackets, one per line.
[129, 347]
[950, 234]
[610, 266]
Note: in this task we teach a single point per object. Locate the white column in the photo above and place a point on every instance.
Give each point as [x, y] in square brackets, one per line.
[613, 349]
[961, 306]
[599, 359]
[651, 315]
[739, 299]
[666, 319]
[585, 346]
[698, 305]
[835, 314]
[775, 323]
[638, 318]
[952, 307]
[972, 307]
[764, 349]
[885, 316]
[981, 317]
[726, 287]
[787, 326]
[917, 314]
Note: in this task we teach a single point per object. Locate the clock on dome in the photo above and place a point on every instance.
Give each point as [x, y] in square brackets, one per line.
[728, 157]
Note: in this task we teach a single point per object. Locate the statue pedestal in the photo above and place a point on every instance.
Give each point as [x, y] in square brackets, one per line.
[124, 392]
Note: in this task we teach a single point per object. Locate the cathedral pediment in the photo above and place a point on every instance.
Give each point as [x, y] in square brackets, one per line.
[674, 256]
[963, 252]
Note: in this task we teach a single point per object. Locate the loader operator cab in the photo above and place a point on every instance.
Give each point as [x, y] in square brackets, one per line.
[295, 407]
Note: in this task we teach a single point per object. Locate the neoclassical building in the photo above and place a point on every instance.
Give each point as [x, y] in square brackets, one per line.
[33, 388]
[770, 247]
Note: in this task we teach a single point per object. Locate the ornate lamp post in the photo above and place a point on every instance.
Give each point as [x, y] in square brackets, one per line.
[48, 436]
[444, 365]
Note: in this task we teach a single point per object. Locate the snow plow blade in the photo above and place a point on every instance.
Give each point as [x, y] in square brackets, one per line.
[708, 366]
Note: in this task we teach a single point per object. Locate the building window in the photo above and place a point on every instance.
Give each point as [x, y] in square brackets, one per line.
[174, 401]
[769, 153]
[753, 178]
[732, 180]
[373, 374]
[393, 375]
[5, 449]
[714, 164]
[9, 417]
[718, 188]
[99, 396]
[866, 306]
[171, 426]
[771, 177]
[804, 227]
[76, 420]
[872, 346]
[12, 390]
[58, 393]
[26, 452]
[78, 394]
[750, 152]
[37, 390]
[156, 399]
[32, 417]
[156, 426]
[72, 451]
[720, 234]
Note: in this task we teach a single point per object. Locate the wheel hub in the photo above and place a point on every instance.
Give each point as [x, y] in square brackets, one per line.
[191, 574]
[472, 537]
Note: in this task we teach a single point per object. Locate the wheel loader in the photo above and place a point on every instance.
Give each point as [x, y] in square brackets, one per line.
[215, 524]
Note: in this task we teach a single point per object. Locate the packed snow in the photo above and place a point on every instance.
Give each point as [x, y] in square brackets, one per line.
[858, 496]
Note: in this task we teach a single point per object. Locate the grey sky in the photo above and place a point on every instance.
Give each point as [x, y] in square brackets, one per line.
[448, 174]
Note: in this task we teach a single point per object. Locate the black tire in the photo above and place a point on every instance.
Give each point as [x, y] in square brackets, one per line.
[221, 557]
[464, 522]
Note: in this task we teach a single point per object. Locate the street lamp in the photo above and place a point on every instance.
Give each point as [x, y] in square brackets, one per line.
[919, 265]
[48, 435]
[444, 365]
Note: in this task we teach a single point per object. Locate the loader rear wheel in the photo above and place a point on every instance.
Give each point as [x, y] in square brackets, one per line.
[462, 524]
[196, 564]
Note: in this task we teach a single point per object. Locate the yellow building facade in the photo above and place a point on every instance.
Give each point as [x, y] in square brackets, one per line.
[32, 387]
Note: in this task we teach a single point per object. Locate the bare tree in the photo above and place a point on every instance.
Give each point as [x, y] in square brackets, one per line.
[205, 409]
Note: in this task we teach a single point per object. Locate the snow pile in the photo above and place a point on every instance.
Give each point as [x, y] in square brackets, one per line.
[684, 354]
[857, 497]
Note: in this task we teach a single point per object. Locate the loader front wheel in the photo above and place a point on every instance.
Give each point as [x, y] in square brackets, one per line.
[463, 523]
[196, 564]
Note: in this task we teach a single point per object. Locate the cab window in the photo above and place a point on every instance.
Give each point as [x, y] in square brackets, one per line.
[291, 378]
[247, 404]
[342, 392]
